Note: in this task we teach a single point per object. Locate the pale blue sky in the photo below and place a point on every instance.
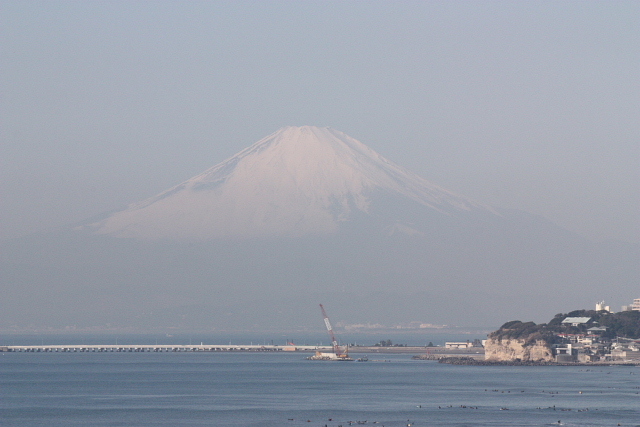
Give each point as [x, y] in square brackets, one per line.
[531, 105]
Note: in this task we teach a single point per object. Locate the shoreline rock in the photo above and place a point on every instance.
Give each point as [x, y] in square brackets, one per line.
[513, 349]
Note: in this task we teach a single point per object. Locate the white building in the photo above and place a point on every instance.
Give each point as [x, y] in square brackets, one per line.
[636, 304]
[575, 321]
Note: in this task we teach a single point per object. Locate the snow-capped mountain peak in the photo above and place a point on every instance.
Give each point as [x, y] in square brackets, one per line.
[296, 181]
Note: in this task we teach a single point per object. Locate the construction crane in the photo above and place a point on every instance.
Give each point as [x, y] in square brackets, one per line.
[334, 342]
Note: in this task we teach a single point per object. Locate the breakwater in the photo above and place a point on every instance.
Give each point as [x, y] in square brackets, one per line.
[424, 353]
[443, 354]
[477, 362]
[119, 348]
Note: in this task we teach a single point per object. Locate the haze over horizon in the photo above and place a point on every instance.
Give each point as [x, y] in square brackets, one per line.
[529, 108]
[306, 214]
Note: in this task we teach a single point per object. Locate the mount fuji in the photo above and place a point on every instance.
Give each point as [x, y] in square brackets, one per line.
[303, 216]
[297, 181]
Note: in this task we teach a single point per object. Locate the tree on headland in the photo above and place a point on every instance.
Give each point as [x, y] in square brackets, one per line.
[624, 324]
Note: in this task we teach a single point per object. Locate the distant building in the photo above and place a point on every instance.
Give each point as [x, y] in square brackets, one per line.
[563, 353]
[575, 321]
[600, 307]
[636, 304]
[458, 344]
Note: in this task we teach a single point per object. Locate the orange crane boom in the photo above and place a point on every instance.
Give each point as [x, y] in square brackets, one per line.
[334, 342]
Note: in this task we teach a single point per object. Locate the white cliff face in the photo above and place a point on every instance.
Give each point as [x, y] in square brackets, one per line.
[514, 349]
[297, 181]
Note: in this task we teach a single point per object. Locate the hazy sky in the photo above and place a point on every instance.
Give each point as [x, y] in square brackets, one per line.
[531, 105]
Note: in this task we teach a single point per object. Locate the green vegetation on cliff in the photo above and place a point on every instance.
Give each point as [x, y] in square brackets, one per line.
[625, 324]
[528, 331]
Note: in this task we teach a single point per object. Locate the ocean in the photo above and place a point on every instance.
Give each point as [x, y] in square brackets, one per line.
[284, 389]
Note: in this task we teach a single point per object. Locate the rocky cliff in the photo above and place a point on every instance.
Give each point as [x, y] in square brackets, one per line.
[507, 349]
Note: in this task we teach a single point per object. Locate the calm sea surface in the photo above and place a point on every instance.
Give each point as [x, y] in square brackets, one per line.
[267, 389]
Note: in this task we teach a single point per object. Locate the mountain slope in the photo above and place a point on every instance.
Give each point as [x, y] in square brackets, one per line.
[298, 181]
